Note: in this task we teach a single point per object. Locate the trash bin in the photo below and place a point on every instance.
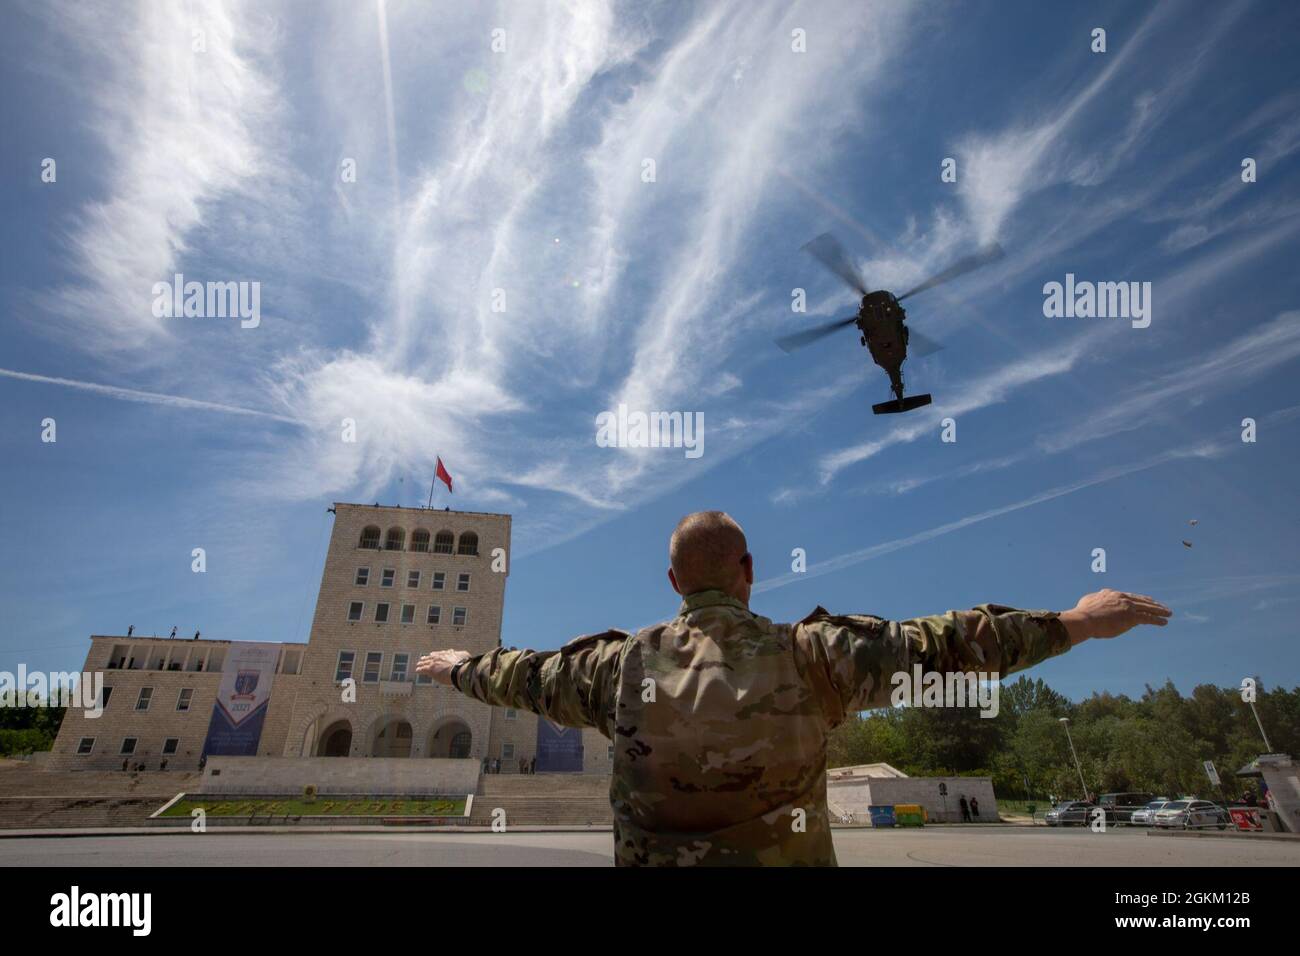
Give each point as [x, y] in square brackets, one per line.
[881, 816]
[909, 815]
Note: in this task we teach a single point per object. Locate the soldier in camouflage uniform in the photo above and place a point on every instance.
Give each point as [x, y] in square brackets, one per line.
[720, 717]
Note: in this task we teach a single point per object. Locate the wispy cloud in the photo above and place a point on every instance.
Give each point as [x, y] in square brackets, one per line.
[851, 558]
[182, 128]
[1243, 359]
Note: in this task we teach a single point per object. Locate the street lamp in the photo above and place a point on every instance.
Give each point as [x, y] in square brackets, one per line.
[1066, 722]
[1267, 745]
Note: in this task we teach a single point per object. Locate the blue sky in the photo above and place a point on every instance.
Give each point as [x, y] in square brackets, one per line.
[521, 170]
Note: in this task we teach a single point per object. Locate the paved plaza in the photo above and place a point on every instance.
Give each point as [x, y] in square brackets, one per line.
[934, 846]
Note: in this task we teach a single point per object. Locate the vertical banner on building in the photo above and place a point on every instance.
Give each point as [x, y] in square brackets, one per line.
[242, 700]
[559, 749]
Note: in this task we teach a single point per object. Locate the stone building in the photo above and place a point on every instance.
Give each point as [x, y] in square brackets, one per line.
[852, 791]
[397, 583]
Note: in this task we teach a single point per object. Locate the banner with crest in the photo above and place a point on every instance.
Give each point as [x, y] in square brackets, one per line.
[559, 749]
[242, 700]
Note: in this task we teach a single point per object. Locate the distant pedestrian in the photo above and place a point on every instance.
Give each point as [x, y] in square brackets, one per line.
[203, 762]
[974, 808]
[125, 762]
[965, 809]
[130, 630]
[532, 765]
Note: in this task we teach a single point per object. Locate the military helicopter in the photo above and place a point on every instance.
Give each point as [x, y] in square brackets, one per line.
[881, 318]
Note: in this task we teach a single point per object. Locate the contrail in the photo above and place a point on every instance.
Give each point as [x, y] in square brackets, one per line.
[150, 398]
[887, 547]
[381, 8]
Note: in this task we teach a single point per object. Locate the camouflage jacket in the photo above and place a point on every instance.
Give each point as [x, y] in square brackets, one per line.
[720, 718]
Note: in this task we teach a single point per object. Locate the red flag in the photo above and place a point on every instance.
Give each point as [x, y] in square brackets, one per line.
[443, 474]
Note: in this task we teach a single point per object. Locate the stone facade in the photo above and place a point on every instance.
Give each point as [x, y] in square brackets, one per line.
[160, 694]
[385, 569]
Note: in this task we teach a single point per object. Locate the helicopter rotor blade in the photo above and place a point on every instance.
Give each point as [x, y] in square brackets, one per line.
[990, 253]
[920, 345]
[797, 340]
[827, 250]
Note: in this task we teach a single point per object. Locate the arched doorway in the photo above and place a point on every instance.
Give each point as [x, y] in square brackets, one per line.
[451, 738]
[335, 740]
[393, 740]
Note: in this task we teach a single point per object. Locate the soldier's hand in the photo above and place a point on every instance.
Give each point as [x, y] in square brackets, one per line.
[1108, 613]
[438, 664]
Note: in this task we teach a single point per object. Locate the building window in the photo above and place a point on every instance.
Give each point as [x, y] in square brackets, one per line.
[468, 543]
[435, 614]
[611, 751]
[400, 662]
[355, 609]
[512, 714]
[128, 745]
[420, 540]
[459, 616]
[108, 692]
[462, 581]
[344, 669]
[507, 751]
[373, 660]
[443, 542]
[184, 698]
[408, 613]
[362, 578]
[386, 581]
[381, 613]
[146, 695]
[170, 745]
[85, 745]
[439, 580]
[412, 579]
[370, 538]
[395, 539]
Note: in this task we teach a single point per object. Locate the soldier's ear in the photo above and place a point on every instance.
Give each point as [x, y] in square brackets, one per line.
[672, 579]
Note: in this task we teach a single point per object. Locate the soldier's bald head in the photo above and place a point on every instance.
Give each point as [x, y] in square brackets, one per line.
[708, 551]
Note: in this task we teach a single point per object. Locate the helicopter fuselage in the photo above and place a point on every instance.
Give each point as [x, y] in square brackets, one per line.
[881, 319]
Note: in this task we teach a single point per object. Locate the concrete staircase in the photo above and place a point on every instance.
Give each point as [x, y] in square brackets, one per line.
[544, 799]
[31, 798]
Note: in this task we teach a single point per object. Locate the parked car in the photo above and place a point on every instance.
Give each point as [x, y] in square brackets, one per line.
[1070, 813]
[1121, 806]
[1146, 816]
[1191, 814]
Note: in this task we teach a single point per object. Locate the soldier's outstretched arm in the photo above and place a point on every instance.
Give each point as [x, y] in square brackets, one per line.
[852, 659]
[573, 686]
